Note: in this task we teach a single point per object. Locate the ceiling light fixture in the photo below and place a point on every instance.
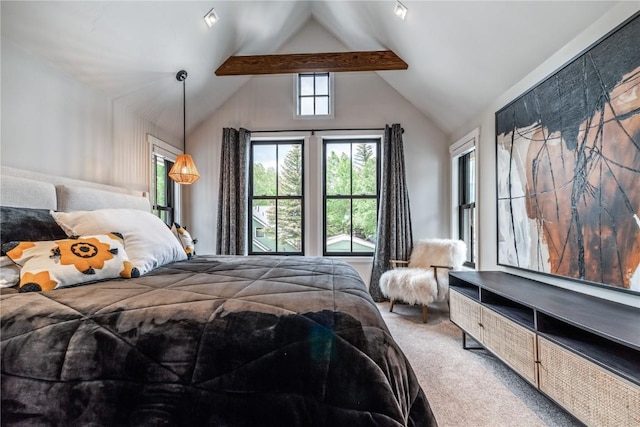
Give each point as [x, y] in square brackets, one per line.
[184, 170]
[400, 10]
[211, 18]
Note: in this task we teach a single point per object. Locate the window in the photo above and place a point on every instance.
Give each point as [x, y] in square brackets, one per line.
[463, 194]
[164, 189]
[467, 203]
[351, 169]
[164, 192]
[276, 199]
[313, 90]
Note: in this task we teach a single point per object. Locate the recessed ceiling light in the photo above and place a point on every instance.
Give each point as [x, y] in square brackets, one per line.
[211, 17]
[400, 10]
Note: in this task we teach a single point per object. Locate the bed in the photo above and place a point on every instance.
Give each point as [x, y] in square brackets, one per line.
[213, 340]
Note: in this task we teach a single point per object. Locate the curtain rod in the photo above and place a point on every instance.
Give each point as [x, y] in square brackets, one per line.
[313, 131]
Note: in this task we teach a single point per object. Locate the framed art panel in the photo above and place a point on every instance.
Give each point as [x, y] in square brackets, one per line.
[568, 168]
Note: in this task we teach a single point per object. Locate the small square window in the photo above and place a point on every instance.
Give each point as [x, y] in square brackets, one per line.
[313, 94]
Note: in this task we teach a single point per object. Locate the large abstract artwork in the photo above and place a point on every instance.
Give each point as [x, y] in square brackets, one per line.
[568, 168]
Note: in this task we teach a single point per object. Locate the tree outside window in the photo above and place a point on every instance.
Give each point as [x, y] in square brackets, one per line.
[350, 196]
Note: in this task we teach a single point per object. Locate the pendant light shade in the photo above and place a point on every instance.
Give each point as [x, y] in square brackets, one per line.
[184, 170]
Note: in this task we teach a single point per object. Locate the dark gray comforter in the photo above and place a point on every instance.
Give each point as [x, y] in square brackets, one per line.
[220, 341]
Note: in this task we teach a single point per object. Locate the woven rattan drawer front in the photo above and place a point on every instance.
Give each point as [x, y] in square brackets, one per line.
[512, 343]
[594, 395]
[465, 313]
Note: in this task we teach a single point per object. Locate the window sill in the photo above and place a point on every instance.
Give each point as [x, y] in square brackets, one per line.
[313, 116]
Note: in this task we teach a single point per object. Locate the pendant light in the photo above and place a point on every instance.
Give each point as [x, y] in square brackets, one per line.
[184, 170]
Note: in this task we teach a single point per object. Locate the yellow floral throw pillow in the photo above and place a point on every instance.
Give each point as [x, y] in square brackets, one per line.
[62, 263]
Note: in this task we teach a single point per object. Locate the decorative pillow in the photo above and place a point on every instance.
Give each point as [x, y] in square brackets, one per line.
[24, 224]
[9, 272]
[187, 242]
[61, 263]
[149, 241]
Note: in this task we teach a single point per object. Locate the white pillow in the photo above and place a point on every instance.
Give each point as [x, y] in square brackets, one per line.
[9, 272]
[148, 241]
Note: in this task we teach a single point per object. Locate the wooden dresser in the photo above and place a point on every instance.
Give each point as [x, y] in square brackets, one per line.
[582, 352]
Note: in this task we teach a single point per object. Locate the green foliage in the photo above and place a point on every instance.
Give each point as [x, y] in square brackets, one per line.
[338, 217]
[364, 153]
[264, 180]
[338, 177]
[364, 173]
[365, 214]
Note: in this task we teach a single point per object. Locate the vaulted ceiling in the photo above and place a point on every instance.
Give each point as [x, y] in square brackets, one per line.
[461, 55]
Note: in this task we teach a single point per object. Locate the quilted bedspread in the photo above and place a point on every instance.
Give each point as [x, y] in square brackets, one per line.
[215, 341]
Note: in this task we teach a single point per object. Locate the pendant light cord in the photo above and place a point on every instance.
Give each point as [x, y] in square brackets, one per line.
[184, 117]
[181, 77]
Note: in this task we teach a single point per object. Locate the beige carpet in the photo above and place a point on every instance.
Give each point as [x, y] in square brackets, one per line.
[466, 388]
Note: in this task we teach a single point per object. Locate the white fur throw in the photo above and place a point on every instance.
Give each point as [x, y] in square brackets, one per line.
[416, 284]
[445, 252]
[411, 285]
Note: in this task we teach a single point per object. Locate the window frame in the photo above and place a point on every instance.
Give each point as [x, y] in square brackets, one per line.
[460, 196]
[466, 202]
[159, 149]
[352, 141]
[297, 93]
[251, 197]
[169, 191]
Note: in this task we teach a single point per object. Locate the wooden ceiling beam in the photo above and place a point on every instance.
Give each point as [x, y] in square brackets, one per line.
[333, 62]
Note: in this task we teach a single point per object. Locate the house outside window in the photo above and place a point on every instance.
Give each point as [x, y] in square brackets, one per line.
[313, 95]
[464, 212]
[350, 196]
[276, 199]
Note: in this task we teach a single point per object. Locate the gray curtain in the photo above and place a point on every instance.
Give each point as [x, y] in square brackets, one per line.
[394, 216]
[232, 196]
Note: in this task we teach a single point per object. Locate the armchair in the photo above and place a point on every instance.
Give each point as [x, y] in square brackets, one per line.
[425, 278]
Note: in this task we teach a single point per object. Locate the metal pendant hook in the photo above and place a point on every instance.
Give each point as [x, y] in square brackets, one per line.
[181, 76]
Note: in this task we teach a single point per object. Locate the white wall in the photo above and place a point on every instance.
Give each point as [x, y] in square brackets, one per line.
[487, 233]
[362, 100]
[54, 124]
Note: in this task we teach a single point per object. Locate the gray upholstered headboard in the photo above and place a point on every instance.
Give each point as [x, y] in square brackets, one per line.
[21, 188]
